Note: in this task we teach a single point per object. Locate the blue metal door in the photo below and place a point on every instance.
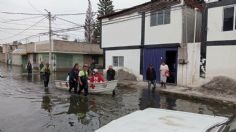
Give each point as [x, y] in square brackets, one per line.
[156, 56]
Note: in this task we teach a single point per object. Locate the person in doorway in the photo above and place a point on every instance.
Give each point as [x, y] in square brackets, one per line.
[151, 76]
[29, 67]
[111, 74]
[83, 80]
[164, 73]
[47, 73]
[96, 77]
[73, 78]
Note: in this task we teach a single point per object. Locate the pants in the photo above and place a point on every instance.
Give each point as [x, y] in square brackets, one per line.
[73, 85]
[150, 82]
[83, 87]
[46, 81]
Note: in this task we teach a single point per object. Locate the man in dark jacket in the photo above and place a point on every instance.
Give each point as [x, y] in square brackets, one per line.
[46, 75]
[29, 67]
[73, 78]
[111, 74]
[151, 76]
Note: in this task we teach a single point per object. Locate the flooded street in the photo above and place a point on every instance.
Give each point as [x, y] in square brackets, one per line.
[27, 107]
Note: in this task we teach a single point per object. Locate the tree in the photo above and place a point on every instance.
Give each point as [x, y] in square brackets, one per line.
[104, 7]
[89, 25]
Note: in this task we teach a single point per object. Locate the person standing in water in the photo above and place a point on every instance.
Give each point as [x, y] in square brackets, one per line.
[47, 73]
[73, 78]
[151, 76]
[83, 80]
[29, 67]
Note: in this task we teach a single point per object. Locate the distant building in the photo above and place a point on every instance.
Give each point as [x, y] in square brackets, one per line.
[64, 54]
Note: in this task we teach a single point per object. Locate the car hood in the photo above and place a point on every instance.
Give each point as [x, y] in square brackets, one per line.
[153, 120]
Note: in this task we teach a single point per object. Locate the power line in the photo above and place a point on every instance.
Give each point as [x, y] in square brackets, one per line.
[7, 21]
[22, 13]
[73, 14]
[24, 29]
[68, 21]
[33, 7]
[19, 29]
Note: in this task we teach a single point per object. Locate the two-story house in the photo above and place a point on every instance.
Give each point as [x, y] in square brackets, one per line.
[153, 32]
[219, 38]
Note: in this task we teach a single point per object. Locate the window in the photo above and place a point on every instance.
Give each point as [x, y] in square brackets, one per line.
[228, 23]
[118, 61]
[160, 17]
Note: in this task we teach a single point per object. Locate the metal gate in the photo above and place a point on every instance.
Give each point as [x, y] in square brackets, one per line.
[156, 56]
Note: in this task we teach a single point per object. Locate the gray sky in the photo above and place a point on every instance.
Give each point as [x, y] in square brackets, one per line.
[11, 27]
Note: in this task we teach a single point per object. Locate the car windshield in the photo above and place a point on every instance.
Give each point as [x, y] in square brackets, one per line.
[228, 126]
[232, 126]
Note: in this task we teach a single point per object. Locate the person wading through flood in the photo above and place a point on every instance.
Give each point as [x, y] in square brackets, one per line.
[47, 73]
[83, 80]
[29, 67]
[164, 73]
[151, 76]
[111, 74]
[73, 78]
[41, 69]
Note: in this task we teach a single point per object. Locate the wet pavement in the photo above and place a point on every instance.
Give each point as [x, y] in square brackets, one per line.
[27, 107]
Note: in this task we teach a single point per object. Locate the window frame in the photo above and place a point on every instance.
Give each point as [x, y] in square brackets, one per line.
[118, 61]
[163, 13]
[234, 18]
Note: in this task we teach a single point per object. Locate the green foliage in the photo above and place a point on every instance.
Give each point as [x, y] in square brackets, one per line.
[104, 7]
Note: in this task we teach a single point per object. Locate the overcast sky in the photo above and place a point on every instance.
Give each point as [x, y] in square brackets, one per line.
[12, 27]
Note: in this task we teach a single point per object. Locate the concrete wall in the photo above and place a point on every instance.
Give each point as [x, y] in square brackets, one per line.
[72, 47]
[188, 74]
[215, 26]
[16, 59]
[131, 59]
[122, 31]
[2, 57]
[168, 33]
[221, 61]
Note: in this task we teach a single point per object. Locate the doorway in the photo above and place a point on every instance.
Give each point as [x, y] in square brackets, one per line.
[171, 59]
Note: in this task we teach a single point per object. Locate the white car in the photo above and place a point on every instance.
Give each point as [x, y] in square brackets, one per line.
[161, 120]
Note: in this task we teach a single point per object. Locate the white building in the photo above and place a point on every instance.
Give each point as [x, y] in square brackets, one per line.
[154, 32]
[219, 40]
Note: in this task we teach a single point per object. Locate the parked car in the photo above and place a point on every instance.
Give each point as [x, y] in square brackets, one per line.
[161, 120]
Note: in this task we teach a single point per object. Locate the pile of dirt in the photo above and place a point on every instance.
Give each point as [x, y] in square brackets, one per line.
[123, 75]
[220, 85]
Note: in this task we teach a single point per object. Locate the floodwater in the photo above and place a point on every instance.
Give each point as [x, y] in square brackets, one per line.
[25, 106]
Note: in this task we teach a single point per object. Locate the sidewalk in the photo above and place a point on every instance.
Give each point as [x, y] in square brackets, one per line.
[183, 92]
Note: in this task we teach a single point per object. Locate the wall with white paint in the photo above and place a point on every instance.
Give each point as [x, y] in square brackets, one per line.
[121, 31]
[131, 59]
[168, 33]
[221, 61]
[188, 74]
[215, 26]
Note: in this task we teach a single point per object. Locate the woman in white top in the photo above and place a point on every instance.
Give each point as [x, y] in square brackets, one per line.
[164, 71]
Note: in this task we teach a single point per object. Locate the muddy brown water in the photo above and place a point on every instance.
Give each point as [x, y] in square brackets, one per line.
[25, 106]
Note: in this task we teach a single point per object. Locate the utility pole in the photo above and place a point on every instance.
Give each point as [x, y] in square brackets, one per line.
[50, 38]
